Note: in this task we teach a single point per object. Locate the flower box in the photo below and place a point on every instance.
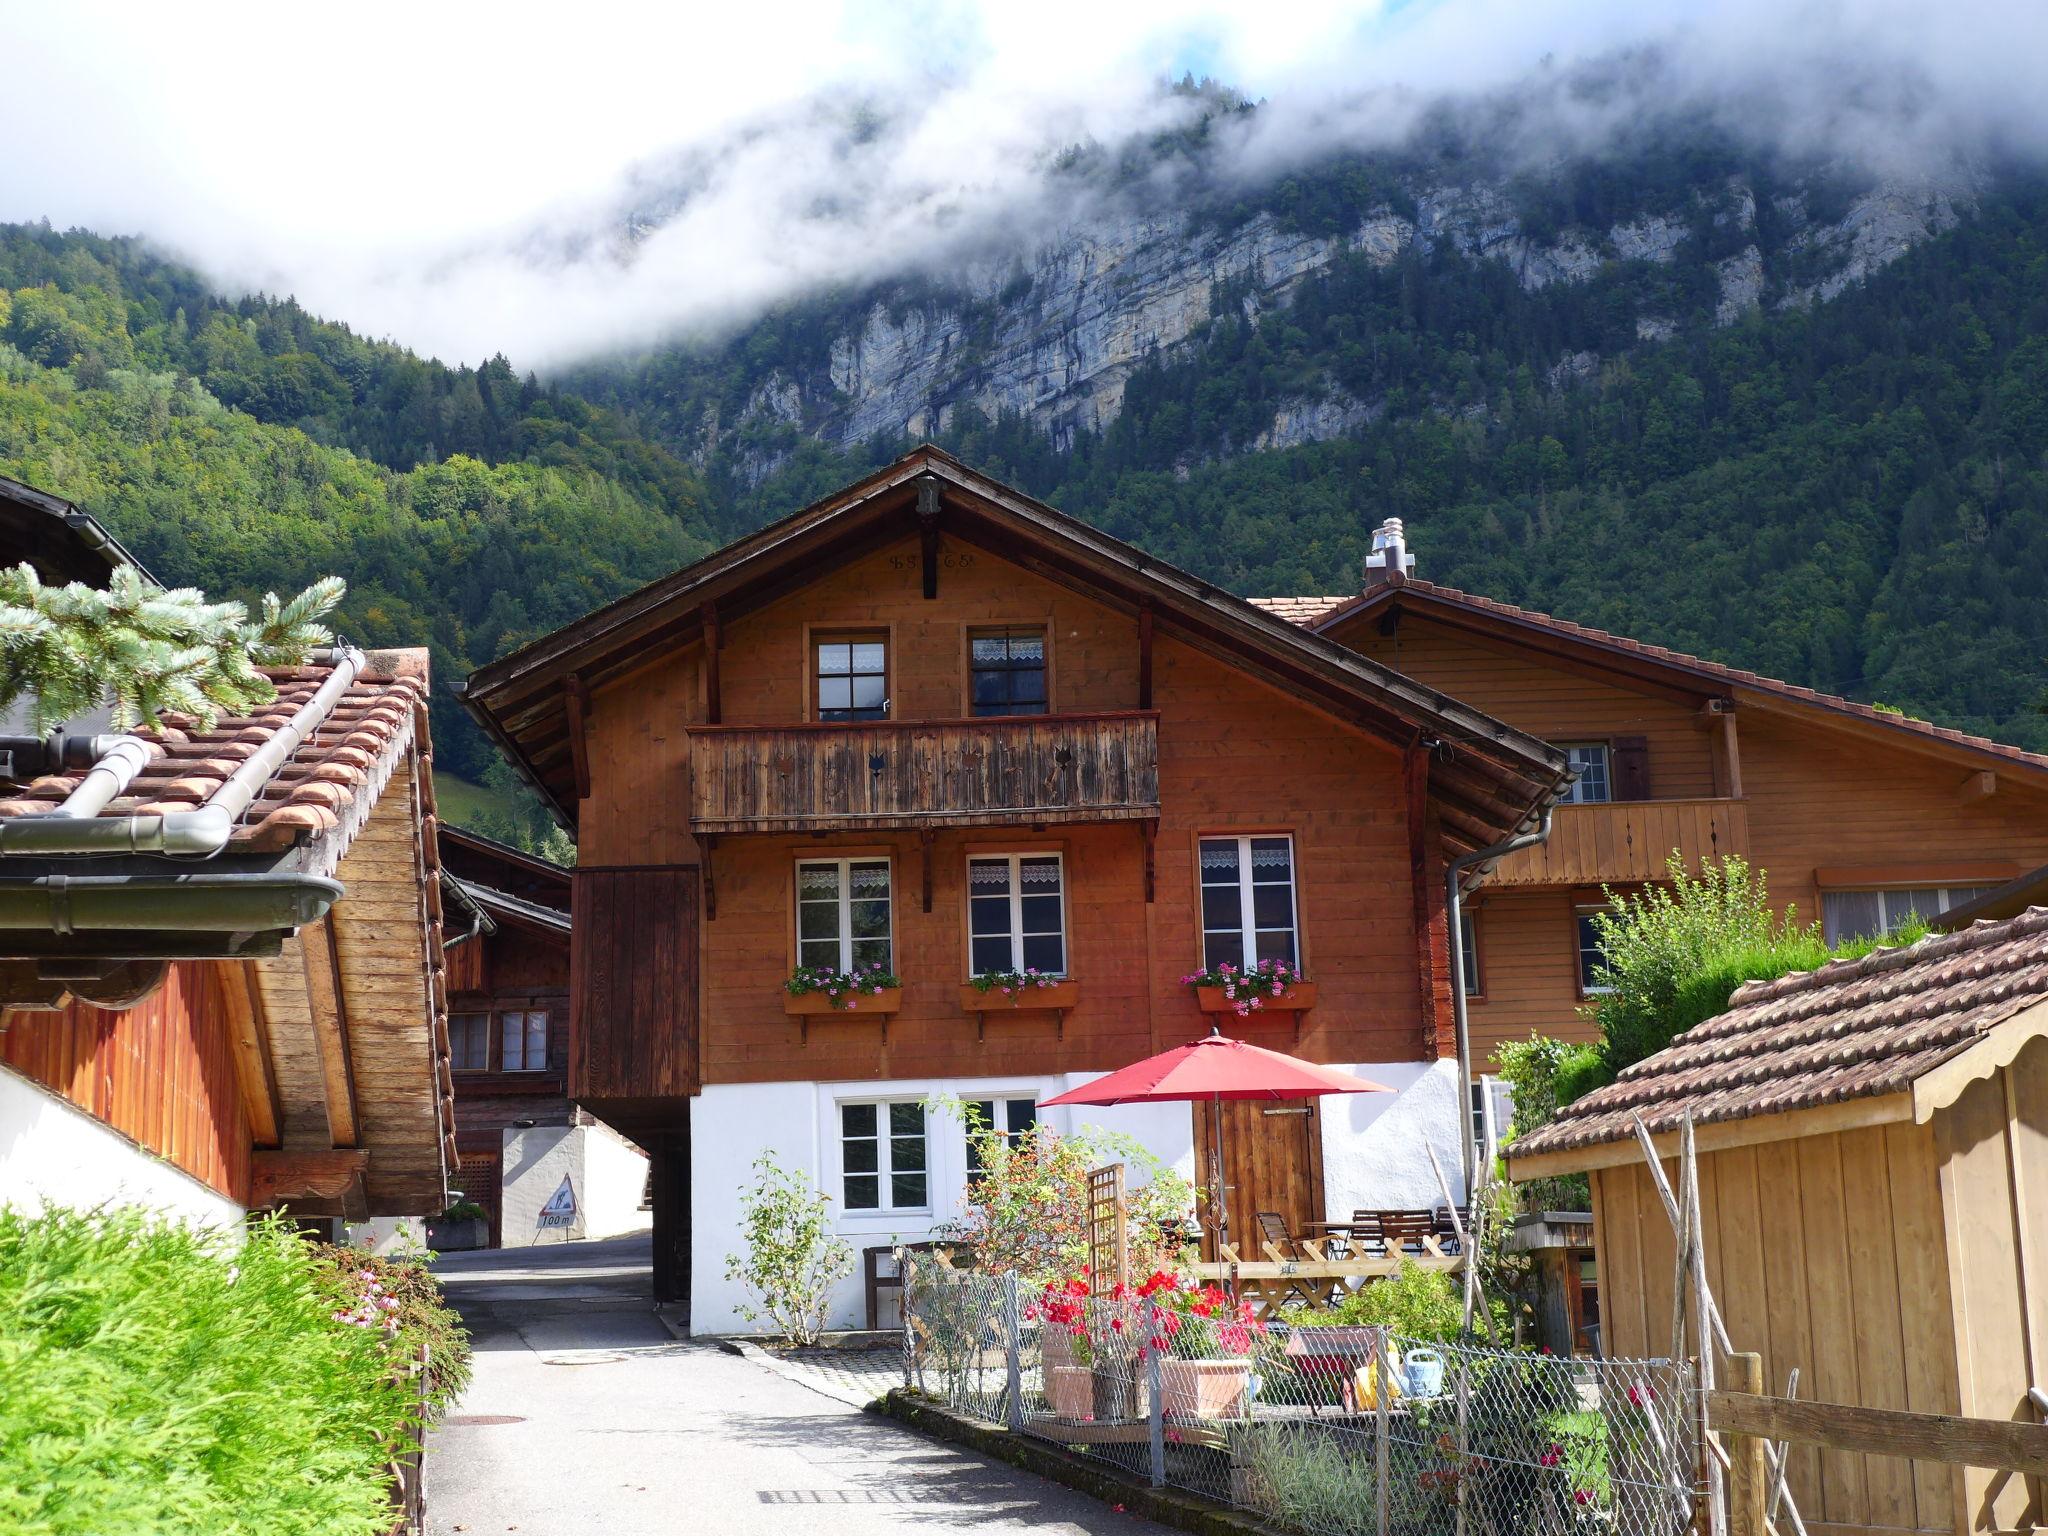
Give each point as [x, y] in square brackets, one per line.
[1055, 999]
[805, 1006]
[1205, 1389]
[1298, 998]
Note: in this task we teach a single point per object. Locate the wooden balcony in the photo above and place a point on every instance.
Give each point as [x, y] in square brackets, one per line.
[1627, 840]
[924, 773]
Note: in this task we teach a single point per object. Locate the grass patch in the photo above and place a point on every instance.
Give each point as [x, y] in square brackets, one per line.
[157, 1379]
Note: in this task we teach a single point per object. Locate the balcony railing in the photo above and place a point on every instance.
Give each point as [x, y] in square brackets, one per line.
[885, 773]
[1627, 840]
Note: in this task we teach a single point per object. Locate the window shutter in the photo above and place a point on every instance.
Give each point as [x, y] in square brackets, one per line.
[1631, 755]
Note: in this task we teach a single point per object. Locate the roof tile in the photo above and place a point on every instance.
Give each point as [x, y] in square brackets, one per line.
[1852, 1029]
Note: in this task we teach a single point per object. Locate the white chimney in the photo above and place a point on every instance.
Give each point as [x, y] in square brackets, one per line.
[1389, 560]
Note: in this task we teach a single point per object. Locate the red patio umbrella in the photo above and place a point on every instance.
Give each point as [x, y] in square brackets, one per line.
[1216, 1068]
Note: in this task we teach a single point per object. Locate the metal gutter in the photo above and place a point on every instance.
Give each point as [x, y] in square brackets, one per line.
[244, 903]
[75, 827]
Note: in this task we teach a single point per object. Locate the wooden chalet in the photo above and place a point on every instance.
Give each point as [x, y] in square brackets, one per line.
[1872, 1144]
[1857, 815]
[933, 725]
[220, 987]
[508, 1033]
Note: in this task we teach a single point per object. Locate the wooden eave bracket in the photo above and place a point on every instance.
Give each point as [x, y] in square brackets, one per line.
[1150, 828]
[1941, 1085]
[312, 1183]
[1981, 785]
[710, 841]
[928, 533]
[924, 844]
[576, 704]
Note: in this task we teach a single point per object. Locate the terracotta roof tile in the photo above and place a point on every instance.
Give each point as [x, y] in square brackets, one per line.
[1852, 1029]
[308, 793]
[1321, 611]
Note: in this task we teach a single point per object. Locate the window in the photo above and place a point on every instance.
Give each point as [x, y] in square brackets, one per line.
[1595, 784]
[1867, 914]
[1007, 1118]
[1016, 914]
[882, 1156]
[469, 1041]
[1592, 954]
[1006, 672]
[853, 678]
[1468, 952]
[842, 913]
[1493, 1115]
[1248, 901]
[522, 1041]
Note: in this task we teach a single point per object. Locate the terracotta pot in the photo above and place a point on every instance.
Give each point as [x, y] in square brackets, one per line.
[1205, 1389]
[1055, 1345]
[1070, 1391]
[1298, 998]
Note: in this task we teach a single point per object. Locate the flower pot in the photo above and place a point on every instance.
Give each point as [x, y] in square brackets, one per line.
[1120, 1391]
[806, 1006]
[1055, 1346]
[1061, 994]
[1070, 1391]
[1298, 998]
[1205, 1389]
[458, 1236]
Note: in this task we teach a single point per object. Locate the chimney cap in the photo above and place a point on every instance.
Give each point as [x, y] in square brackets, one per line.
[1390, 561]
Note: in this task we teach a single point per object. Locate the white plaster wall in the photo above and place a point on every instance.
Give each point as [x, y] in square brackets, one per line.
[614, 1179]
[1376, 1145]
[607, 1174]
[53, 1153]
[732, 1124]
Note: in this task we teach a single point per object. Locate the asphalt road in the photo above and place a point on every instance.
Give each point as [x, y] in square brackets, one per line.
[610, 1425]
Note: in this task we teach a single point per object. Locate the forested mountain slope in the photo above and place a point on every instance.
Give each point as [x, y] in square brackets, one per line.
[468, 509]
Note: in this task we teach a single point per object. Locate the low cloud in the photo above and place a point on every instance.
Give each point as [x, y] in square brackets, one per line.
[557, 184]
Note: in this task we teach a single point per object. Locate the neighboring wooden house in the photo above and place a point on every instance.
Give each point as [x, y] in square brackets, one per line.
[508, 1033]
[1873, 1143]
[932, 724]
[1857, 815]
[219, 989]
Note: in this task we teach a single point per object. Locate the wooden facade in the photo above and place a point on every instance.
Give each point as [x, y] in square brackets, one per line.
[1820, 799]
[164, 1073]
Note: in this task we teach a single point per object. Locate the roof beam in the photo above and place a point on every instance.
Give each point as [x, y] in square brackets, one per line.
[330, 1028]
[311, 1183]
[252, 1050]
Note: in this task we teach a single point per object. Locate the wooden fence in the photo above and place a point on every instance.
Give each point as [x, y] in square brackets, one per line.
[1749, 1422]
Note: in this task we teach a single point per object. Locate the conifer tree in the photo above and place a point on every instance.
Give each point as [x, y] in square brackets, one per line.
[147, 649]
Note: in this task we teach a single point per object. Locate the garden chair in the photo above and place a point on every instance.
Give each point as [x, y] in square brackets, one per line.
[1407, 1231]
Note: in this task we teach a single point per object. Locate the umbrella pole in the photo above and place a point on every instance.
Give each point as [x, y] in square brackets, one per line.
[1216, 1168]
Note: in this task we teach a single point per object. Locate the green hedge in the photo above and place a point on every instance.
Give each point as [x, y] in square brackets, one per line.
[156, 1379]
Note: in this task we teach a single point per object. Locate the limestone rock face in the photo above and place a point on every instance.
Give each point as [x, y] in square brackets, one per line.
[1054, 333]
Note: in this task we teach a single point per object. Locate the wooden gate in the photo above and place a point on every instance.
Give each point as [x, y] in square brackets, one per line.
[1272, 1161]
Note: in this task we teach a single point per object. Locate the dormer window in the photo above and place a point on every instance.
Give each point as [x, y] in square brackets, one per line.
[852, 677]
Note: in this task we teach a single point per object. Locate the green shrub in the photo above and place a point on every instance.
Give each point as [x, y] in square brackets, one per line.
[156, 1379]
[789, 1259]
[420, 1320]
[1414, 1302]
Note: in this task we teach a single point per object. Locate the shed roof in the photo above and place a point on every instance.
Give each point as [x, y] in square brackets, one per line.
[1853, 1029]
[62, 540]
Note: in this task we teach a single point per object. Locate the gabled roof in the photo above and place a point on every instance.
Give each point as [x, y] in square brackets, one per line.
[1542, 631]
[493, 865]
[1854, 1029]
[503, 905]
[319, 794]
[61, 540]
[1489, 778]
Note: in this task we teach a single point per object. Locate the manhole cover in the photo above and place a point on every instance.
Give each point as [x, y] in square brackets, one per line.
[483, 1418]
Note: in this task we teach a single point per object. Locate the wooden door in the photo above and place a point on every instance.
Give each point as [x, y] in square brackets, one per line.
[1272, 1161]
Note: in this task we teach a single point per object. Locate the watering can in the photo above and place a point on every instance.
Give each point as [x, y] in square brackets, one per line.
[1423, 1374]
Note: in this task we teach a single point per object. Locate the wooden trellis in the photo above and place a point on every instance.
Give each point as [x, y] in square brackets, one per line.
[1109, 1246]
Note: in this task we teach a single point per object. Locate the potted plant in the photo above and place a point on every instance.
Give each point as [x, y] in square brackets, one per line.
[1028, 988]
[827, 989]
[464, 1225]
[1272, 986]
[1205, 1342]
[1091, 1352]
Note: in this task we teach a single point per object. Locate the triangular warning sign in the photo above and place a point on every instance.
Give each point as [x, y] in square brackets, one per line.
[561, 1206]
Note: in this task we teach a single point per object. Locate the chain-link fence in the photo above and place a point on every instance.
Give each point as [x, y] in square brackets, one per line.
[1329, 1431]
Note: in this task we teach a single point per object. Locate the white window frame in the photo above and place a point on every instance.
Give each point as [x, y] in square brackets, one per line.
[1474, 983]
[1946, 896]
[999, 1119]
[1248, 930]
[885, 1170]
[1573, 795]
[1586, 988]
[846, 937]
[1016, 862]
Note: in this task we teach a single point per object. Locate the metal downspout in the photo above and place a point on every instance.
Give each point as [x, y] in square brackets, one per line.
[75, 826]
[1452, 871]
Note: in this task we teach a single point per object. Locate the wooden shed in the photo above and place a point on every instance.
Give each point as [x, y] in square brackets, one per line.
[1873, 1169]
